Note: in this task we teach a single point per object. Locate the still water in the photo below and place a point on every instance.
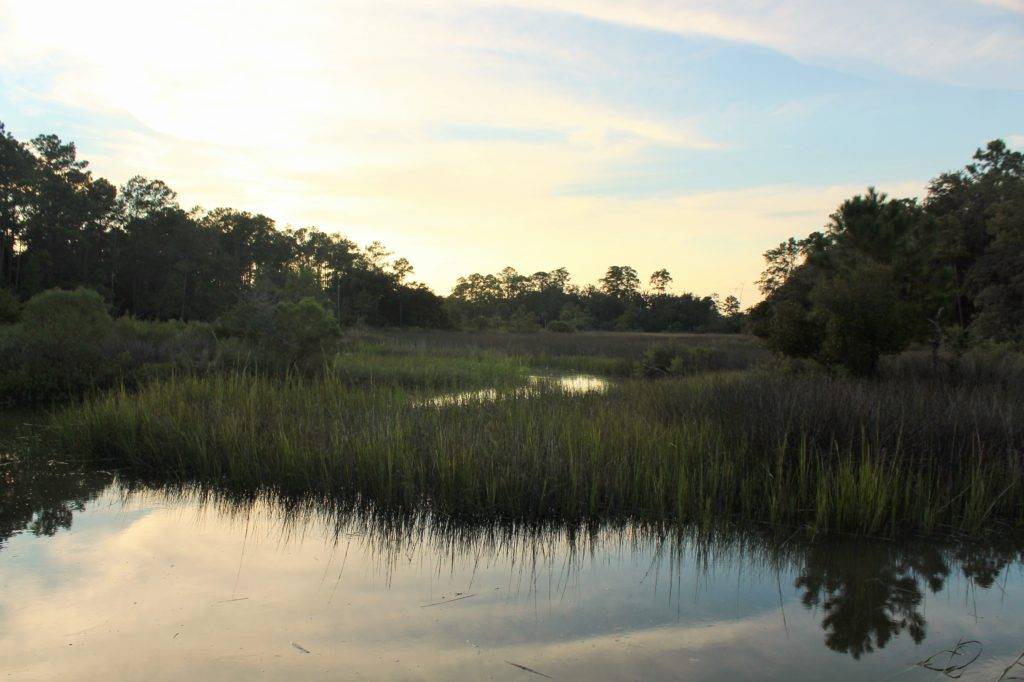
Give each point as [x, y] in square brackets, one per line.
[106, 581]
[568, 384]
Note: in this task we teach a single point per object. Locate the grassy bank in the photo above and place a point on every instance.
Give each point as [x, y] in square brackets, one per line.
[836, 454]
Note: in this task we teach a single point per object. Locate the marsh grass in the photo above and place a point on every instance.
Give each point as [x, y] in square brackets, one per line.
[609, 354]
[425, 370]
[828, 454]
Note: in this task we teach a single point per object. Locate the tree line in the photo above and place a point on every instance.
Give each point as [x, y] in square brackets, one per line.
[886, 273]
[63, 228]
[511, 300]
[149, 257]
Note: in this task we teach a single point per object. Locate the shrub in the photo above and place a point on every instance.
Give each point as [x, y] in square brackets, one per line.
[10, 307]
[58, 347]
[524, 323]
[657, 359]
[862, 318]
[689, 361]
[560, 327]
[76, 317]
[301, 334]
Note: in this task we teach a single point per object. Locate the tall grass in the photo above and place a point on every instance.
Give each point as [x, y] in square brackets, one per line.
[832, 454]
[424, 370]
[613, 354]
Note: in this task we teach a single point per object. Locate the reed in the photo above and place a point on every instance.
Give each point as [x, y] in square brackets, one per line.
[832, 454]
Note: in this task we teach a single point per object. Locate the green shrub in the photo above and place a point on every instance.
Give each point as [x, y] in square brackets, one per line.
[560, 327]
[657, 360]
[76, 317]
[58, 347]
[10, 307]
[678, 360]
[302, 334]
[689, 360]
[284, 335]
[523, 323]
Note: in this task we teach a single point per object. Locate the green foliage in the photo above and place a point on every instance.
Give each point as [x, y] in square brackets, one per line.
[523, 322]
[10, 307]
[657, 360]
[67, 317]
[888, 272]
[504, 299]
[154, 259]
[790, 330]
[68, 345]
[302, 334]
[860, 316]
[560, 327]
[676, 360]
[58, 347]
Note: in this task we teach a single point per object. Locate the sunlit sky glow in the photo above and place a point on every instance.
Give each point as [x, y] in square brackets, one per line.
[470, 135]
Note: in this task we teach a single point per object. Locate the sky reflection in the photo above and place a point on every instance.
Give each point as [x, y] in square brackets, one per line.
[172, 585]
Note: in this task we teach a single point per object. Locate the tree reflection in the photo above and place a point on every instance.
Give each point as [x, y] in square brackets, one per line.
[869, 593]
[872, 592]
[43, 496]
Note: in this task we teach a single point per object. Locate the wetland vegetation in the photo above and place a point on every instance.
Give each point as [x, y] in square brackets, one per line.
[263, 370]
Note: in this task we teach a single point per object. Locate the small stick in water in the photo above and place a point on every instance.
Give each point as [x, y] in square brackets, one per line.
[529, 670]
[300, 648]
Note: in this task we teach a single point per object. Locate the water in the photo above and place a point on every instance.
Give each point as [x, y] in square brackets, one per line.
[570, 384]
[99, 581]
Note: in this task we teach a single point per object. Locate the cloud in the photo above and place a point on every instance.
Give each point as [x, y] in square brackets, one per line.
[942, 40]
[329, 113]
[1016, 140]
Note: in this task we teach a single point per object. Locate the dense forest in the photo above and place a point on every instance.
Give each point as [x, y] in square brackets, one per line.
[149, 257]
[60, 227]
[886, 273]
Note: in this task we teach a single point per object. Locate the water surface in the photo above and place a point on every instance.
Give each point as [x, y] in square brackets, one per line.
[101, 582]
[569, 384]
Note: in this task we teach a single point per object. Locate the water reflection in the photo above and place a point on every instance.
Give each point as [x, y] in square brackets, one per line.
[43, 498]
[570, 384]
[211, 584]
[870, 593]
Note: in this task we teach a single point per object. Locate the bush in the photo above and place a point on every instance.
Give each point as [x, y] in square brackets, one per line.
[678, 360]
[523, 323]
[657, 359]
[689, 361]
[302, 334]
[76, 318]
[861, 317]
[10, 307]
[283, 336]
[58, 347]
[560, 327]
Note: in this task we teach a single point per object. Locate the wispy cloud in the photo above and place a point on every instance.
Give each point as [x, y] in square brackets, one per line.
[450, 129]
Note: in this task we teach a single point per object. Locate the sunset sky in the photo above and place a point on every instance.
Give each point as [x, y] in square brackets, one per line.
[469, 135]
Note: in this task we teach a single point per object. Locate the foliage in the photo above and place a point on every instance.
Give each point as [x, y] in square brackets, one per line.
[861, 317]
[57, 347]
[560, 326]
[299, 335]
[10, 307]
[505, 299]
[890, 272]
[62, 228]
[302, 333]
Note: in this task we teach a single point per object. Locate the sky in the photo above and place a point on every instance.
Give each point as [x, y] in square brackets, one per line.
[468, 135]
